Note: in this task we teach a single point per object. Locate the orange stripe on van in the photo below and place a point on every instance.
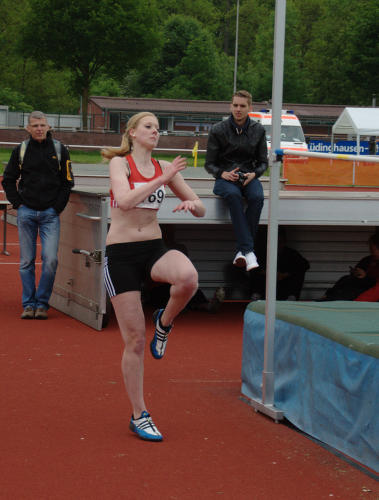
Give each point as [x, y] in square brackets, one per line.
[261, 115]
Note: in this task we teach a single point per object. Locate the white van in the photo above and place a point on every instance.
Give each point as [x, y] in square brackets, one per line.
[292, 135]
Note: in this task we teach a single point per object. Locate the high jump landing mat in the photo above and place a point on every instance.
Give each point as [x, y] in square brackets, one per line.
[326, 371]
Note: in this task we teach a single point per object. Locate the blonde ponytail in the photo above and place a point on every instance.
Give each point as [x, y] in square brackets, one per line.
[126, 142]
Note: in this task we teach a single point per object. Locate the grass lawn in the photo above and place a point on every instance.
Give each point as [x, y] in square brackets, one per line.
[95, 157]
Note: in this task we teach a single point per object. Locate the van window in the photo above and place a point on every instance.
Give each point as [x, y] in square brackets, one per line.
[287, 133]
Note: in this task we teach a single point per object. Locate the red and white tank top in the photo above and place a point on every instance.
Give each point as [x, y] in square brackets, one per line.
[136, 180]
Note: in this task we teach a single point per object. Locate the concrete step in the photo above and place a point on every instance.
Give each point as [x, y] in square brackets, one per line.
[97, 175]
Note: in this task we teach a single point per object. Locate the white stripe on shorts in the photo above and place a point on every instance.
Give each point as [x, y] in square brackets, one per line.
[107, 279]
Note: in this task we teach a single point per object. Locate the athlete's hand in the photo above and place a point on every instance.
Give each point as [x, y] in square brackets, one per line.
[179, 163]
[186, 206]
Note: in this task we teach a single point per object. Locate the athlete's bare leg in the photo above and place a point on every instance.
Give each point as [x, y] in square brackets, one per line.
[131, 321]
[175, 268]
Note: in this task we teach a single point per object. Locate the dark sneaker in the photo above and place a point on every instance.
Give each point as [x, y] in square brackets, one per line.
[27, 313]
[220, 294]
[291, 297]
[159, 342]
[41, 313]
[218, 298]
[145, 428]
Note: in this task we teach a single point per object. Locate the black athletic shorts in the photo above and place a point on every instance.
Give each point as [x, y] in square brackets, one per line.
[127, 265]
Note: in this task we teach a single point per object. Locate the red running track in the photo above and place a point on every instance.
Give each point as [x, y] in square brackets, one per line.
[64, 417]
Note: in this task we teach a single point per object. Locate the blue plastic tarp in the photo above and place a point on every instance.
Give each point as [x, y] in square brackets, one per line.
[324, 388]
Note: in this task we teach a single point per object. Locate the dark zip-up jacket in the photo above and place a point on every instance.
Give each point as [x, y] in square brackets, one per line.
[41, 182]
[229, 148]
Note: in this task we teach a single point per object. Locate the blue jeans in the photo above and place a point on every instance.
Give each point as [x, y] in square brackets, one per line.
[245, 223]
[31, 222]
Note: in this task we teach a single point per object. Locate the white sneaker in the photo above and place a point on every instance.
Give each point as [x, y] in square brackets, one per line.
[251, 261]
[239, 260]
[145, 428]
[159, 343]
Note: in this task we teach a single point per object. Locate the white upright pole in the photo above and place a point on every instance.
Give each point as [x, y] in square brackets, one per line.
[267, 404]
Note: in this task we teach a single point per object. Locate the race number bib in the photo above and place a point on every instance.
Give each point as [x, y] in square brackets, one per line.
[154, 200]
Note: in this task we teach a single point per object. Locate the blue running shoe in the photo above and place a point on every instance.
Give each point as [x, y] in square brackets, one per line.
[145, 428]
[159, 342]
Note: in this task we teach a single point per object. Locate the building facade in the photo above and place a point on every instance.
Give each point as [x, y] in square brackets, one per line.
[178, 116]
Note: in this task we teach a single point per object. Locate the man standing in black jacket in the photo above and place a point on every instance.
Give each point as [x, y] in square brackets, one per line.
[37, 181]
[237, 157]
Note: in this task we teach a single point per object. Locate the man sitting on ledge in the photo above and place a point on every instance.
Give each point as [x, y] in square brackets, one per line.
[237, 157]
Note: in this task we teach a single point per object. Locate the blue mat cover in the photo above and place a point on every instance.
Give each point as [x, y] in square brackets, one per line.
[324, 387]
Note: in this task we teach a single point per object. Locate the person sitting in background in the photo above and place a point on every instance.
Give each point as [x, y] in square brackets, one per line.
[291, 271]
[237, 157]
[370, 295]
[363, 277]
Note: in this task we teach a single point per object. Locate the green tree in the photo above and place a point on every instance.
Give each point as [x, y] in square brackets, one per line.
[256, 60]
[14, 100]
[202, 72]
[363, 60]
[254, 15]
[189, 66]
[26, 85]
[90, 37]
[47, 88]
[343, 56]
[10, 62]
[255, 69]
[106, 86]
[302, 21]
[179, 30]
[52, 51]
[204, 11]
